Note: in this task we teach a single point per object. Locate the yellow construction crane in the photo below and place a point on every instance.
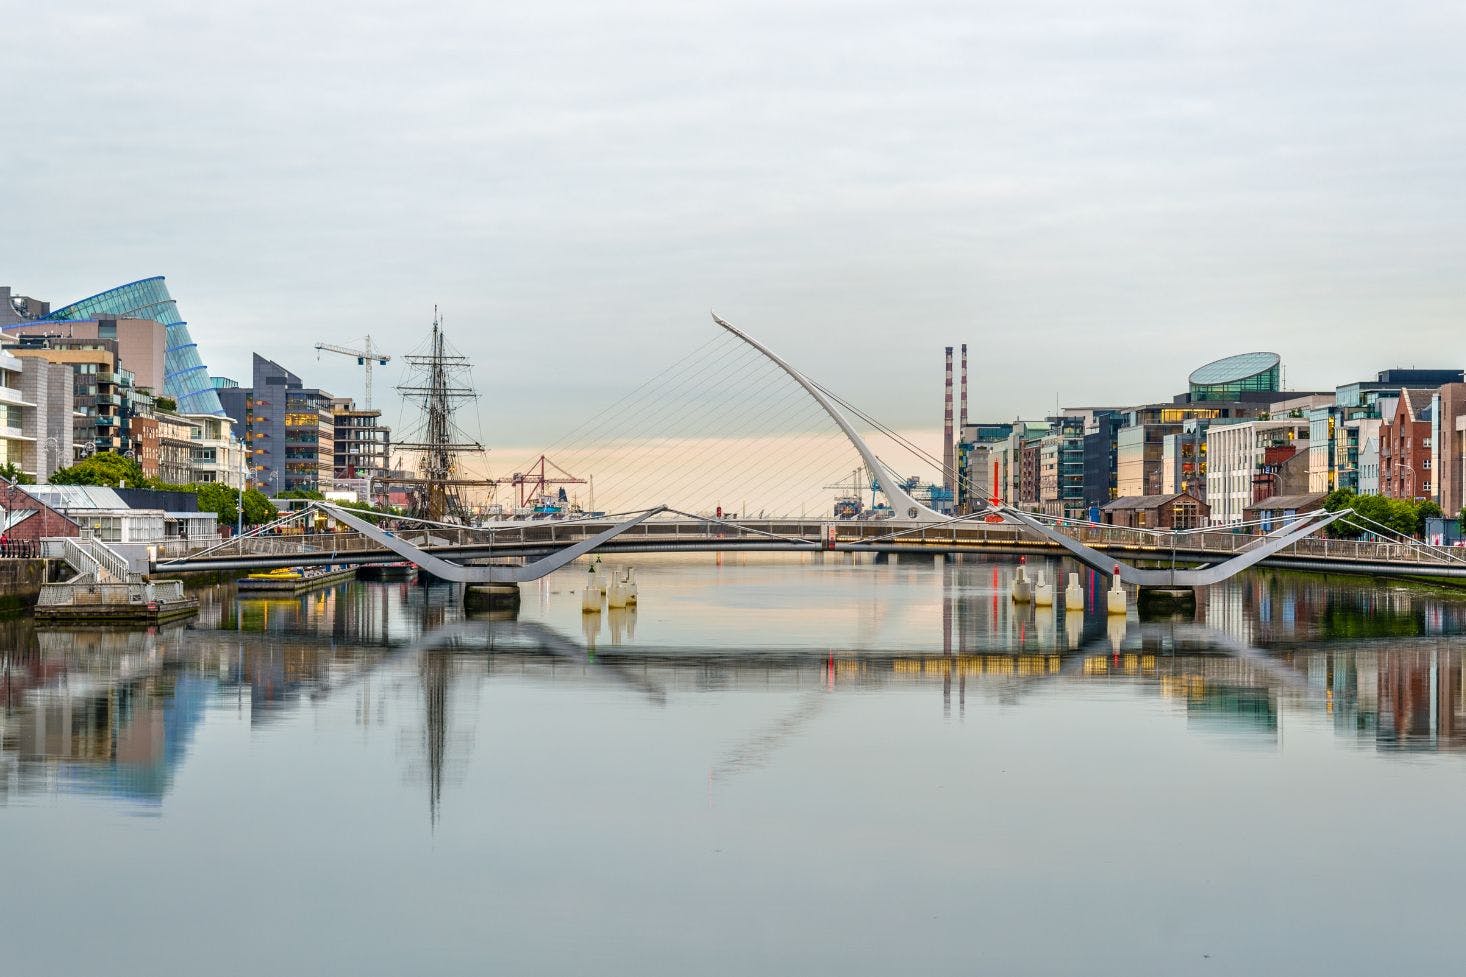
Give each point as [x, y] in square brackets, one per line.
[366, 357]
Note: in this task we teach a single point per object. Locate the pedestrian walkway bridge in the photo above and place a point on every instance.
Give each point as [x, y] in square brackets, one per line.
[514, 552]
[518, 546]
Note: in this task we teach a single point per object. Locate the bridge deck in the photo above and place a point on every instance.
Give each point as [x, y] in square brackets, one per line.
[516, 541]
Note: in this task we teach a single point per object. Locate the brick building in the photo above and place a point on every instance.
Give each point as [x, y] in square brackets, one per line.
[23, 517]
[1179, 510]
[1404, 447]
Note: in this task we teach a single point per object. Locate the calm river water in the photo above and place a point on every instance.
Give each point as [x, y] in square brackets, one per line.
[773, 766]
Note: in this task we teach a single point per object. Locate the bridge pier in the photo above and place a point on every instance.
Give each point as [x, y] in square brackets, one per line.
[491, 597]
[1165, 600]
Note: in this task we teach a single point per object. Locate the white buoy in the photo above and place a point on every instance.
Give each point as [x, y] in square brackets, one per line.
[1043, 591]
[631, 586]
[1022, 586]
[590, 594]
[1115, 597]
[1073, 594]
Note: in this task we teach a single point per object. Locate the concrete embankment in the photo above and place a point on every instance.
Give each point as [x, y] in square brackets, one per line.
[20, 582]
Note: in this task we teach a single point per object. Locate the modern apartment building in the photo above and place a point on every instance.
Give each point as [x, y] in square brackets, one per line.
[1249, 461]
[35, 415]
[1061, 468]
[289, 429]
[1448, 446]
[217, 455]
[184, 376]
[102, 390]
[139, 344]
[362, 443]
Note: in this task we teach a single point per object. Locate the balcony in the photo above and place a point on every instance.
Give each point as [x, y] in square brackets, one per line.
[9, 395]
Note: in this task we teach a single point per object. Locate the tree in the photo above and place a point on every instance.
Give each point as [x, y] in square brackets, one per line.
[1425, 510]
[1378, 515]
[223, 501]
[11, 473]
[167, 404]
[258, 509]
[219, 499]
[104, 468]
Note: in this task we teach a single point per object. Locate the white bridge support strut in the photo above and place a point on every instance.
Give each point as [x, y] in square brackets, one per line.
[1172, 577]
[901, 501]
[458, 573]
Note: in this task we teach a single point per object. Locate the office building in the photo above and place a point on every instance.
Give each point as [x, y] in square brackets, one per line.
[289, 429]
[1251, 460]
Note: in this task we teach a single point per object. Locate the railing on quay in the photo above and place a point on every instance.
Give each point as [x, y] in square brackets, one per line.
[89, 593]
[20, 549]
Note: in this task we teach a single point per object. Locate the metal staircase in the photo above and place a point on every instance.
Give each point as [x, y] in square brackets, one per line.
[92, 560]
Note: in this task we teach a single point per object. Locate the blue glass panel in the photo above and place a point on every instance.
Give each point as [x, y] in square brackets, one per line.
[149, 299]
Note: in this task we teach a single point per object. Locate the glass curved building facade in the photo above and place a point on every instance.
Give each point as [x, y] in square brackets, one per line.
[1226, 379]
[185, 378]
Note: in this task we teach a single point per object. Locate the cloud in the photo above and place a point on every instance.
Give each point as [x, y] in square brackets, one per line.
[1097, 198]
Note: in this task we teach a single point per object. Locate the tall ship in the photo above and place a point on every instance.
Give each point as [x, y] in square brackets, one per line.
[439, 383]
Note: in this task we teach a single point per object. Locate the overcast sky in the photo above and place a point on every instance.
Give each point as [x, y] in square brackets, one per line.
[1096, 197]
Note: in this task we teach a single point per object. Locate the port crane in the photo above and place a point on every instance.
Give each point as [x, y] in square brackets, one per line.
[533, 483]
[367, 356]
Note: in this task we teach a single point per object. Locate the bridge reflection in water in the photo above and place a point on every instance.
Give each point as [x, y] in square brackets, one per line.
[116, 713]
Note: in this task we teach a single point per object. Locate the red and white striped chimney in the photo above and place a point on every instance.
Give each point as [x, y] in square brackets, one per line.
[947, 442]
[962, 399]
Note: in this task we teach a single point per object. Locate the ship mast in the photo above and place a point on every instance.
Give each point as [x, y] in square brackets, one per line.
[438, 382]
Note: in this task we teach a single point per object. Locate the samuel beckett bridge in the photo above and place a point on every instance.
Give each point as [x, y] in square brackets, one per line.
[734, 420]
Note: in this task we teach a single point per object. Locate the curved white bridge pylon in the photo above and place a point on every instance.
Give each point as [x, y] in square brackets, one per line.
[901, 500]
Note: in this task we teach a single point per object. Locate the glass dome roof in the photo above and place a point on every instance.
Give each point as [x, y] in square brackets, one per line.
[1233, 368]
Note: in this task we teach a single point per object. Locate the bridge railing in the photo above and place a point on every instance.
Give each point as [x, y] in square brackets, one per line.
[530, 534]
[1219, 542]
[1191, 544]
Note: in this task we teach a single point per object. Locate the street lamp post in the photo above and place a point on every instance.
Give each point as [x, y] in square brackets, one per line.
[239, 503]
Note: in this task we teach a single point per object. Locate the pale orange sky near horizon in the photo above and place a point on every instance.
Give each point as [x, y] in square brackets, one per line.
[776, 475]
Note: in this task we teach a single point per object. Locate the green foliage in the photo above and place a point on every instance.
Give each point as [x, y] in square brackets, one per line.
[223, 502]
[1404, 516]
[165, 404]
[1423, 511]
[311, 494]
[105, 469]
[258, 509]
[11, 472]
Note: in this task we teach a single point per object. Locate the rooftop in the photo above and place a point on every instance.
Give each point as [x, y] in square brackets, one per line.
[1233, 368]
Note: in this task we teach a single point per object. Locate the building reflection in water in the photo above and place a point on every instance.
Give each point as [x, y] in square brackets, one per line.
[115, 713]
